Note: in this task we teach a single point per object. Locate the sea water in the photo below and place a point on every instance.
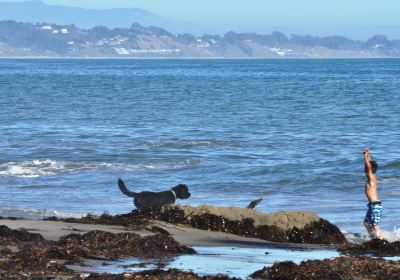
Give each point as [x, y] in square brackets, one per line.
[289, 131]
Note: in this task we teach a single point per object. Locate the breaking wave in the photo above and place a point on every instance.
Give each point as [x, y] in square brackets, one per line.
[39, 168]
[38, 213]
[393, 235]
[358, 238]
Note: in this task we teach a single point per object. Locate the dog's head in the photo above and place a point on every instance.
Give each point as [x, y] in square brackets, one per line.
[181, 191]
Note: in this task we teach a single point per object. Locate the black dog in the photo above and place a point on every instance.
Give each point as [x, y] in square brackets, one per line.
[155, 199]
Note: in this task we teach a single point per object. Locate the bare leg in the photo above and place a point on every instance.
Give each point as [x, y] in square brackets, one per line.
[378, 232]
[370, 230]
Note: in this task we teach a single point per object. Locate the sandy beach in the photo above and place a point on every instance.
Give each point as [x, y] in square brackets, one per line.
[54, 230]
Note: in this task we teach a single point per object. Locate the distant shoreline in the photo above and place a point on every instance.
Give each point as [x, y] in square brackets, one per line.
[140, 42]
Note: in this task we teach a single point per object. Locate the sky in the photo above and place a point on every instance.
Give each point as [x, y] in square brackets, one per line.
[357, 19]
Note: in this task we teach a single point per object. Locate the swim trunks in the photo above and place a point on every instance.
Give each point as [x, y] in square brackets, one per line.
[374, 212]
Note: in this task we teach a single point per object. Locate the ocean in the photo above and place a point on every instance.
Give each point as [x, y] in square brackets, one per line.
[289, 131]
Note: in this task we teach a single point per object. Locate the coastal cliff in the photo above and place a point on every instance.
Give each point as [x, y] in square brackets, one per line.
[51, 40]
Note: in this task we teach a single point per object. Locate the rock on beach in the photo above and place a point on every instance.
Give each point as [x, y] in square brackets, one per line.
[294, 227]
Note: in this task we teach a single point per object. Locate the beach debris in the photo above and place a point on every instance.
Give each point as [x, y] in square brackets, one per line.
[20, 235]
[293, 227]
[158, 274]
[120, 245]
[337, 268]
[159, 230]
[375, 247]
[254, 203]
[27, 253]
[136, 219]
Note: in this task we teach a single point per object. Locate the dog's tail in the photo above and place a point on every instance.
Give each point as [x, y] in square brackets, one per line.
[124, 189]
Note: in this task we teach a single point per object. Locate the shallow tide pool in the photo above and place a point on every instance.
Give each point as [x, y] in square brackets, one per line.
[234, 262]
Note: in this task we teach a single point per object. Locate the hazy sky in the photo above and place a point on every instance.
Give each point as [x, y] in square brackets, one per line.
[352, 18]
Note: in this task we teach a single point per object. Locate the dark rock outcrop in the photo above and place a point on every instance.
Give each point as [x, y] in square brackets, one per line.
[376, 247]
[158, 274]
[321, 232]
[332, 269]
[20, 235]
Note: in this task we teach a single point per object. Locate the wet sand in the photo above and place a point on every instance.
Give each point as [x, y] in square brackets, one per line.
[54, 230]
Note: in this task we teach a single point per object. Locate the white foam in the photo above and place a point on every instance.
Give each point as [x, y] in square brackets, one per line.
[200, 143]
[33, 168]
[181, 144]
[157, 165]
[38, 213]
[39, 168]
[392, 236]
[359, 238]
[355, 237]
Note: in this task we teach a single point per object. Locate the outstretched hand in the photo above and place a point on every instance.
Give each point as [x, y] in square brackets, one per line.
[367, 155]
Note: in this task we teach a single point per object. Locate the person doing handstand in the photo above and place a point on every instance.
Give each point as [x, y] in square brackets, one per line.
[373, 216]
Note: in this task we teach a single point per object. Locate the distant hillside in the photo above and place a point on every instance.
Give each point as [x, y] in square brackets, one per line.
[54, 40]
[37, 11]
